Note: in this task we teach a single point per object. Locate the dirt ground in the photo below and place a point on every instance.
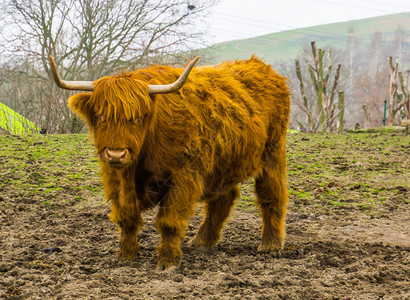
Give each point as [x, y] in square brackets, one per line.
[348, 223]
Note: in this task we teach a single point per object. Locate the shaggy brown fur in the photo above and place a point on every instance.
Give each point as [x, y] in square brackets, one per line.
[226, 124]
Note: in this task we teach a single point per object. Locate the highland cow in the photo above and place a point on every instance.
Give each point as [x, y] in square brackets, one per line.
[171, 138]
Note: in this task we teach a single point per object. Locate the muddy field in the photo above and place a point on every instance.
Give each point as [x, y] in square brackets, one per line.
[347, 234]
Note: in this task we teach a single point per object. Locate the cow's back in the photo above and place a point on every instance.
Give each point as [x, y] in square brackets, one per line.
[219, 122]
[265, 87]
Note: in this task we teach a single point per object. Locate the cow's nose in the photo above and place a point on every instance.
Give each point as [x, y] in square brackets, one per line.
[115, 155]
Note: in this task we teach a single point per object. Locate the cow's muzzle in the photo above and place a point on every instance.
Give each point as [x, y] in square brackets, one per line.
[116, 158]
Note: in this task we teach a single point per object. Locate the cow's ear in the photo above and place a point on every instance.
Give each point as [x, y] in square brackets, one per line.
[80, 105]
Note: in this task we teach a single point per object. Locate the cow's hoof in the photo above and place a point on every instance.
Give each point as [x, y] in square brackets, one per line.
[201, 245]
[128, 254]
[167, 264]
[271, 246]
[168, 257]
[129, 247]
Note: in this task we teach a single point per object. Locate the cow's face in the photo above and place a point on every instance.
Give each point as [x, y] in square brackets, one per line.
[119, 111]
[119, 143]
[118, 114]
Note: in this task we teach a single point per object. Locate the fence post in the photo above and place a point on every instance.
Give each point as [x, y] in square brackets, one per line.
[341, 107]
[384, 115]
[366, 116]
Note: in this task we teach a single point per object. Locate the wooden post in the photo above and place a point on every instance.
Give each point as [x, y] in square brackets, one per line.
[304, 97]
[405, 89]
[384, 112]
[331, 107]
[325, 107]
[341, 108]
[321, 96]
[393, 90]
[366, 116]
[316, 74]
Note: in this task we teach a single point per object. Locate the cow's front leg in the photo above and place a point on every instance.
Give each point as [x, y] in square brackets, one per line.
[129, 228]
[125, 212]
[169, 249]
[129, 221]
[172, 219]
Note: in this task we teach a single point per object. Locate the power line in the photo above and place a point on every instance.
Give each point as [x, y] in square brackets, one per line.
[271, 39]
[352, 5]
[385, 4]
[267, 25]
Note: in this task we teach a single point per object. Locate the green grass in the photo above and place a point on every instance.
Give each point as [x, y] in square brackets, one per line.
[367, 172]
[48, 168]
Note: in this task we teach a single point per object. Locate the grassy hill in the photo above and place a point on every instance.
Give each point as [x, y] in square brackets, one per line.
[288, 44]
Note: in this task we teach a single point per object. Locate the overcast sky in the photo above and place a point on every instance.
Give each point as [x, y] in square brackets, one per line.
[239, 19]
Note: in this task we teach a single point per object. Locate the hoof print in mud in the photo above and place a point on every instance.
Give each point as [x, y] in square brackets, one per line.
[51, 250]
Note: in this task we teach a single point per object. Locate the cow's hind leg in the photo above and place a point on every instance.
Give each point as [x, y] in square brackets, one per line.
[217, 210]
[272, 198]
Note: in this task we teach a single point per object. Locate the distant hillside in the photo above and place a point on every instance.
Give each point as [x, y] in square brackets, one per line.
[288, 44]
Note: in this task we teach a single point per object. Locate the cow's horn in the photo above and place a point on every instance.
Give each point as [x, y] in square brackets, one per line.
[70, 85]
[173, 87]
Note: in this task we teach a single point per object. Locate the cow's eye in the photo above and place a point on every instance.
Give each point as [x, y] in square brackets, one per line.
[101, 118]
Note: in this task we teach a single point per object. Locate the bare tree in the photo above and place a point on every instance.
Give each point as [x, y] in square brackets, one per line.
[306, 107]
[393, 105]
[376, 54]
[320, 116]
[365, 80]
[369, 86]
[92, 38]
[351, 53]
[404, 84]
[398, 46]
